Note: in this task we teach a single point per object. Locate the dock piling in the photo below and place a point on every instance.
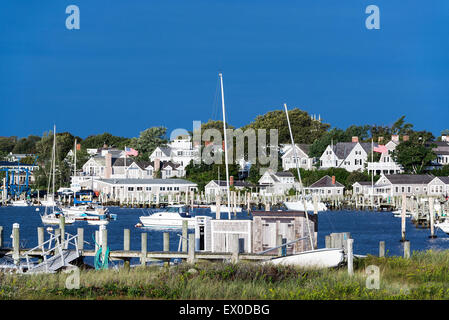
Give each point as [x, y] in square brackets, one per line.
[381, 249]
[406, 249]
[144, 242]
[184, 235]
[16, 242]
[350, 243]
[191, 248]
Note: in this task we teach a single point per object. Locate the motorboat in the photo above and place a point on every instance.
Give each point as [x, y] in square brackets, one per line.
[83, 211]
[299, 205]
[99, 222]
[53, 218]
[398, 214]
[20, 203]
[49, 202]
[318, 258]
[444, 226]
[171, 217]
[223, 208]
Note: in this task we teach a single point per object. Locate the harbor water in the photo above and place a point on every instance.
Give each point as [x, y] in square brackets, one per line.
[367, 228]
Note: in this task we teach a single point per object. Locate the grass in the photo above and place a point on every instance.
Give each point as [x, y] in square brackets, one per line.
[424, 276]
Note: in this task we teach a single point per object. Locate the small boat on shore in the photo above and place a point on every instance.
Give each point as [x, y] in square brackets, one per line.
[318, 258]
[171, 217]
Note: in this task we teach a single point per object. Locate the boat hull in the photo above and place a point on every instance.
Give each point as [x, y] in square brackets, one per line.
[320, 258]
[299, 206]
[148, 221]
[213, 208]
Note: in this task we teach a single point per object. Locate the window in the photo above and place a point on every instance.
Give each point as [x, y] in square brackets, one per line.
[130, 188]
[162, 188]
[148, 188]
[139, 188]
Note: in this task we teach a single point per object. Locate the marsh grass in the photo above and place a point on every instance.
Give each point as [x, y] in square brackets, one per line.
[424, 276]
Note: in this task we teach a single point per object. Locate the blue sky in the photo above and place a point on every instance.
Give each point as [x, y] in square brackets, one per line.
[137, 64]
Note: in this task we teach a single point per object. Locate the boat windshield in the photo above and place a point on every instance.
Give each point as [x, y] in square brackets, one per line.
[183, 211]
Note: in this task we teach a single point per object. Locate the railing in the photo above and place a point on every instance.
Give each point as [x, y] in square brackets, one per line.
[60, 246]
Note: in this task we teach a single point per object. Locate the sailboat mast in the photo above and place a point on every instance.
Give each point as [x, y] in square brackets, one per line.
[74, 161]
[54, 164]
[299, 178]
[226, 146]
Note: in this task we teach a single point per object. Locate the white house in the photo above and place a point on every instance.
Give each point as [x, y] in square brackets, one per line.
[410, 184]
[386, 164]
[179, 151]
[277, 183]
[302, 157]
[442, 152]
[327, 187]
[351, 156]
[139, 189]
[215, 187]
[439, 186]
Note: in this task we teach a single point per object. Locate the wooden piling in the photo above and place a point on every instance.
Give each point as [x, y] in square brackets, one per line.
[327, 242]
[235, 247]
[403, 211]
[184, 235]
[350, 243]
[279, 243]
[62, 227]
[104, 241]
[143, 257]
[432, 218]
[126, 245]
[40, 236]
[218, 207]
[1, 236]
[381, 249]
[191, 248]
[80, 232]
[406, 249]
[16, 242]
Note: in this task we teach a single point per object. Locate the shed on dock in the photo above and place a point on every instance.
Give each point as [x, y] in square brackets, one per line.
[268, 226]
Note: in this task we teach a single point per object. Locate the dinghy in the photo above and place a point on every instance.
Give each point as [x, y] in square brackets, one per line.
[319, 258]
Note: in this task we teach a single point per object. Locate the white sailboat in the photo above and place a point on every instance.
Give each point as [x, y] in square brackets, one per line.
[20, 203]
[53, 216]
[316, 258]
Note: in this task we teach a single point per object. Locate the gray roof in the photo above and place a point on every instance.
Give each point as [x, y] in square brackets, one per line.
[343, 149]
[284, 174]
[409, 178]
[120, 162]
[147, 181]
[364, 183]
[237, 183]
[326, 182]
[444, 179]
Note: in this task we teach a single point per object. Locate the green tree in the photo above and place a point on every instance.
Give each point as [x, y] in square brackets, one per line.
[7, 145]
[26, 145]
[99, 140]
[414, 155]
[149, 140]
[304, 129]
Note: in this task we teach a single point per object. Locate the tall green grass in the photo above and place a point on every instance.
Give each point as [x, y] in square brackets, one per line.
[424, 276]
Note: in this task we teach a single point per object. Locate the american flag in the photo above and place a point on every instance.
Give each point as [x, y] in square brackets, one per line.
[131, 152]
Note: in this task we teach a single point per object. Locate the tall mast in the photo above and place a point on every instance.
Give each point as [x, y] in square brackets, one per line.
[299, 178]
[54, 164]
[74, 161]
[226, 146]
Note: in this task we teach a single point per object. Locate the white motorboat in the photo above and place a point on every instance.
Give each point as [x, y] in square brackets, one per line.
[223, 208]
[398, 214]
[171, 217]
[444, 226]
[100, 222]
[53, 218]
[299, 205]
[20, 203]
[49, 202]
[83, 211]
[318, 258]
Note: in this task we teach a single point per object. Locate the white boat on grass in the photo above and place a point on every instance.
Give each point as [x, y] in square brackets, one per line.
[171, 217]
[316, 259]
[223, 208]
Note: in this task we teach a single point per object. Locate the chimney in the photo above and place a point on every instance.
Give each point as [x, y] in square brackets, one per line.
[231, 180]
[78, 146]
[108, 171]
[333, 179]
[395, 138]
[157, 164]
[380, 139]
[405, 138]
[355, 139]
